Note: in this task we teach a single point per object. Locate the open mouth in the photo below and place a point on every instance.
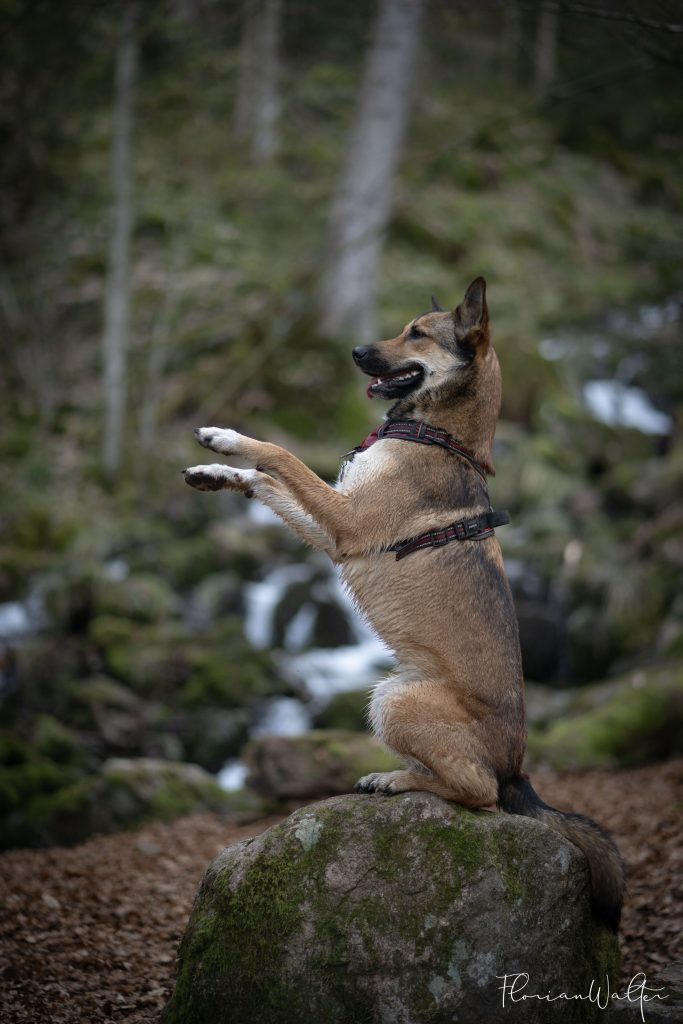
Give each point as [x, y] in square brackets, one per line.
[396, 383]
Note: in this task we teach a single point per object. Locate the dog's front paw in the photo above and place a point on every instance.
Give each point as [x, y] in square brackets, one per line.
[205, 478]
[376, 782]
[219, 478]
[218, 439]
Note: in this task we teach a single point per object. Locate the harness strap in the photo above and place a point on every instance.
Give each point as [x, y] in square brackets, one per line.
[421, 433]
[477, 528]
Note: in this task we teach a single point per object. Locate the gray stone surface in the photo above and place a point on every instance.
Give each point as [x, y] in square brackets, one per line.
[396, 910]
[321, 762]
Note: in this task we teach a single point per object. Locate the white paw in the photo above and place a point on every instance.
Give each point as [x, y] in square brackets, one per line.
[206, 478]
[218, 477]
[218, 439]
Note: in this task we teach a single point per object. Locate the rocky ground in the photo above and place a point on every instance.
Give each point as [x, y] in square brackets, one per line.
[89, 934]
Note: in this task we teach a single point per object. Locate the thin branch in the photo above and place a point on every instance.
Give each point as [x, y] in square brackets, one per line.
[600, 12]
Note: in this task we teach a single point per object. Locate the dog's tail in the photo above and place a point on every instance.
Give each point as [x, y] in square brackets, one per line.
[516, 795]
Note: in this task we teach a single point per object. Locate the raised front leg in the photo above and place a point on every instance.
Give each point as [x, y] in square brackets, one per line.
[329, 509]
[273, 493]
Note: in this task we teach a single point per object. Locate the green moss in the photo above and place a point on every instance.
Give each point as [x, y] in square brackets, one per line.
[59, 815]
[141, 597]
[272, 890]
[55, 741]
[19, 783]
[345, 711]
[635, 720]
[173, 799]
[218, 668]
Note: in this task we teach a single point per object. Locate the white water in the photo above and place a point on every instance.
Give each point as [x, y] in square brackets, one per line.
[22, 618]
[232, 775]
[617, 405]
[317, 673]
[14, 620]
[282, 716]
[262, 599]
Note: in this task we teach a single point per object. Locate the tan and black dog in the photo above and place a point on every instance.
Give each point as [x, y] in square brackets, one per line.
[410, 524]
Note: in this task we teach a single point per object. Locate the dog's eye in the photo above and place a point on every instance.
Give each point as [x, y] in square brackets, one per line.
[415, 332]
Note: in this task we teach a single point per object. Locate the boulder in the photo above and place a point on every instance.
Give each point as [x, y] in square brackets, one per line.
[123, 793]
[402, 910]
[322, 762]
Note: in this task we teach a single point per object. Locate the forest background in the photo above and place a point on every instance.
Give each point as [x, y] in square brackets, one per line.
[205, 205]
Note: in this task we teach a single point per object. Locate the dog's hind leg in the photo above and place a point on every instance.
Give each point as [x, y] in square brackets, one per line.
[423, 723]
[468, 783]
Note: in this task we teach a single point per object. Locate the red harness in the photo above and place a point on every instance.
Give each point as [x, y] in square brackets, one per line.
[474, 528]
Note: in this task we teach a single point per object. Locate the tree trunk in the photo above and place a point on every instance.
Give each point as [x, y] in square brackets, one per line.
[159, 344]
[118, 288]
[545, 57]
[511, 41]
[257, 109]
[362, 204]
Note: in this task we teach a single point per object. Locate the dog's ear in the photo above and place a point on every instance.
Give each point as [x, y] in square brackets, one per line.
[472, 313]
[436, 306]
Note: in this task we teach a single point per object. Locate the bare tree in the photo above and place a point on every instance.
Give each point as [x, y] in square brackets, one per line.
[159, 343]
[257, 109]
[118, 288]
[362, 203]
[545, 54]
[511, 40]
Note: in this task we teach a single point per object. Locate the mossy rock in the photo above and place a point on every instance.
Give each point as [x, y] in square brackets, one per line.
[322, 762]
[23, 781]
[93, 699]
[633, 720]
[217, 595]
[367, 908]
[212, 735]
[345, 711]
[55, 741]
[125, 793]
[141, 597]
[134, 788]
[159, 660]
[46, 666]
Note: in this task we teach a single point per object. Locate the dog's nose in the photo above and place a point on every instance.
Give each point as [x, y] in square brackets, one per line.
[360, 353]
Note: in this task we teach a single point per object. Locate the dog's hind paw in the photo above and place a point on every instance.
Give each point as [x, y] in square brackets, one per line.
[377, 782]
[218, 439]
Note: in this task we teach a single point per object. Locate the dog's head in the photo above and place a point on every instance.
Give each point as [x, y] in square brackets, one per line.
[438, 358]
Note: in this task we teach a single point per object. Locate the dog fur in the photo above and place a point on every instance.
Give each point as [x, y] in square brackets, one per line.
[454, 707]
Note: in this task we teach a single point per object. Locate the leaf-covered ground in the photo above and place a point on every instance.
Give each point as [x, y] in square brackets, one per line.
[89, 934]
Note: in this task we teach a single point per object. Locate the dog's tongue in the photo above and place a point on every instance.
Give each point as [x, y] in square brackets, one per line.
[368, 390]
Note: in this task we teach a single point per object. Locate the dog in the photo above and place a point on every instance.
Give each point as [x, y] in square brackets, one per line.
[410, 524]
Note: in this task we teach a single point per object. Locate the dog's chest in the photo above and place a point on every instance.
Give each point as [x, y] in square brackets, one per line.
[364, 467]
